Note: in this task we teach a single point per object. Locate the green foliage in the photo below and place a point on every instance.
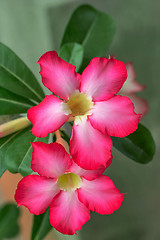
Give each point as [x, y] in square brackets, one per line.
[93, 29]
[4, 144]
[138, 146]
[72, 53]
[16, 77]
[9, 214]
[11, 103]
[19, 152]
[41, 226]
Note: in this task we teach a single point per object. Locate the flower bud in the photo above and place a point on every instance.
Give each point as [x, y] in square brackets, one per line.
[13, 126]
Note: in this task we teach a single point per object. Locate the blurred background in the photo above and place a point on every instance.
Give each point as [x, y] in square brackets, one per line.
[32, 27]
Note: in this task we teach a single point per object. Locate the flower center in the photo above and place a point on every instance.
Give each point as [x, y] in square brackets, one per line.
[79, 104]
[69, 181]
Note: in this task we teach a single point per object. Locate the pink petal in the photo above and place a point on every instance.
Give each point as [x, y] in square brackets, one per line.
[36, 193]
[140, 104]
[89, 148]
[47, 116]
[67, 213]
[131, 85]
[57, 75]
[103, 78]
[88, 174]
[50, 160]
[100, 195]
[115, 117]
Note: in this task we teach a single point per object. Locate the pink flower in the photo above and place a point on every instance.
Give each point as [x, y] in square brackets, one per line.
[70, 191]
[130, 87]
[88, 99]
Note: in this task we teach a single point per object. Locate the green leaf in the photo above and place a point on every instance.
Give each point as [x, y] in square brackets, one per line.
[11, 103]
[138, 146]
[93, 29]
[61, 236]
[4, 143]
[72, 53]
[16, 77]
[41, 226]
[19, 153]
[13, 232]
[9, 214]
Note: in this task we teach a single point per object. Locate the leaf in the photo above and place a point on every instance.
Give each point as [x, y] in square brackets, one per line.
[61, 236]
[13, 232]
[19, 153]
[4, 143]
[93, 29]
[11, 103]
[138, 146]
[72, 53]
[9, 214]
[16, 77]
[41, 226]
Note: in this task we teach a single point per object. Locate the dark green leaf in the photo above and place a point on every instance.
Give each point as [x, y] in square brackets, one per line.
[9, 214]
[93, 29]
[13, 232]
[4, 143]
[72, 53]
[11, 103]
[41, 226]
[19, 153]
[16, 77]
[138, 146]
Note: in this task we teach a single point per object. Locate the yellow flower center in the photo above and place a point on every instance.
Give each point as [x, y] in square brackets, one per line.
[69, 181]
[79, 104]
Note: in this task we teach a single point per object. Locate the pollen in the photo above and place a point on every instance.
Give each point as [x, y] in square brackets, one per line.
[69, 181]
[79, 104]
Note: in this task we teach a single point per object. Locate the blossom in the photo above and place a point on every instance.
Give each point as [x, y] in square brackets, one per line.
[88, 99]
[130, 87]
[70, 191]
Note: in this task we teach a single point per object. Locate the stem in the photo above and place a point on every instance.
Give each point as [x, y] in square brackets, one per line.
[61, 141]
[58, 135]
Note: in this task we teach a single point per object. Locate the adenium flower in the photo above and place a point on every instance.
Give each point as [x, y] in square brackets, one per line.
[130, 87]
[70, 191]
[88, 99]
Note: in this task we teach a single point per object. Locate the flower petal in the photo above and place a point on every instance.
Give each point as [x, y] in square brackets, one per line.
[100, 195]
[89, 148]
[140, 104]
[67, 213]
[103, 78]
[47, 116]
[36, 193]
[58, 76]
[88, 174]
[115, 117]
[131, 85]
[49, 160]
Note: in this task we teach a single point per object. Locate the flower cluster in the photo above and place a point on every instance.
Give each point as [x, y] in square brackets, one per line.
[72, 183]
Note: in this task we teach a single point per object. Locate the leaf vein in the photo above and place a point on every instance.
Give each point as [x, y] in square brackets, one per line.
[23, 82]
